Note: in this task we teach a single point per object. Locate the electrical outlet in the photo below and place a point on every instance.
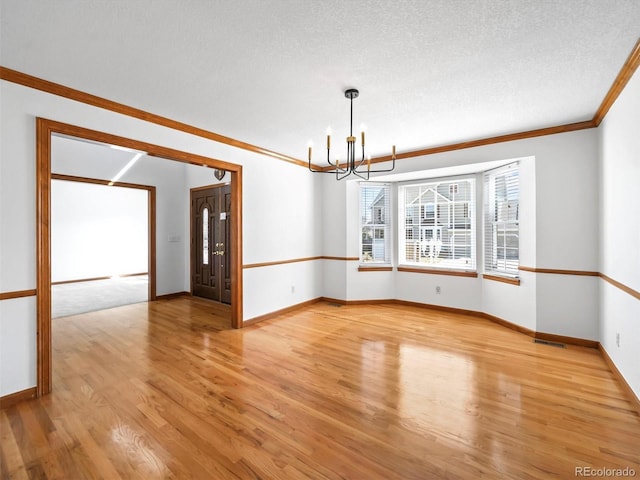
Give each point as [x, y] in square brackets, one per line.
[438, 289]
[618, 340]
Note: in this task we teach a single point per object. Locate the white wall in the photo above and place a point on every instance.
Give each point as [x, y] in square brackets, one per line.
[97, 230]
[619, 234]
[281, 217]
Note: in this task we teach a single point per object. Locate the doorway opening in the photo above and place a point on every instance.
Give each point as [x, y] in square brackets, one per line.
[45, 129]
[102, 243]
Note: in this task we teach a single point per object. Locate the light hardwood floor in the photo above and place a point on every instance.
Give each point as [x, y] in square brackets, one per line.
[167, 390]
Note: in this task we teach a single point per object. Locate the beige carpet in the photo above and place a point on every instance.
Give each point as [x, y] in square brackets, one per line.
[80, 297]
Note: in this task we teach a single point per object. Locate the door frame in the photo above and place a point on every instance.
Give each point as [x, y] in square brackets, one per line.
[44, 130]
[151, 219]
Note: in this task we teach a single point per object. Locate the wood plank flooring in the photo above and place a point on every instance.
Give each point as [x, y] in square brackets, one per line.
[168, 390]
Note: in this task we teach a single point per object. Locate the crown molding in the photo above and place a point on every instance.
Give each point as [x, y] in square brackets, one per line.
[626, 72]
[60, 90]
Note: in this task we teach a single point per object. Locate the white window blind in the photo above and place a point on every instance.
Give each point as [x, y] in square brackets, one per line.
[437, 224]
[375, 218]
[501, 213]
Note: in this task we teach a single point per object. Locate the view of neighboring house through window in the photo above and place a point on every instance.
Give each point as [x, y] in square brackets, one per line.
[501, 212]
[375, 213]
[437, 227]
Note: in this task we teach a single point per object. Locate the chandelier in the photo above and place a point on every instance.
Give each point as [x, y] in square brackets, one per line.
[362, 167]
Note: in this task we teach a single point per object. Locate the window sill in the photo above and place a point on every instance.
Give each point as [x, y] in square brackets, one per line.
[438, 271]
[498, 278]
[375, 268]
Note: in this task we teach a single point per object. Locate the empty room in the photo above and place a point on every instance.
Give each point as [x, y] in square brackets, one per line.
[370, 239]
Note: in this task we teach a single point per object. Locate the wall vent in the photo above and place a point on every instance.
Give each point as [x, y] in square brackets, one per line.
[547, 342]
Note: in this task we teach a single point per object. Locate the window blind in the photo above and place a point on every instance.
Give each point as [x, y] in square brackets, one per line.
[501, 226]
[437, 227]
[375, 219]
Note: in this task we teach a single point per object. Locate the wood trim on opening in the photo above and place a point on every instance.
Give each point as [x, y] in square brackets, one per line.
[436, 271]
[99, 181]
[44, 129]
[498, 278]
[18, 294]
[43, 256]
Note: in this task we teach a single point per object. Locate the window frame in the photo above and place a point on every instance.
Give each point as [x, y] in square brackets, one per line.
[469, 206]
[384, 227]
[491, 266]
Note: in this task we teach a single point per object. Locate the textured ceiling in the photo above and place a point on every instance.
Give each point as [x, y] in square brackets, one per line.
[272, 73]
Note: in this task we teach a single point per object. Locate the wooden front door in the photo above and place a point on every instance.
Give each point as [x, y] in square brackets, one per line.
[210, 243]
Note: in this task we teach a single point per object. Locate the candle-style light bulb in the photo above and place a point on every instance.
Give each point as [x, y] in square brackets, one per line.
[393, 151]
[328, 138]
[362, 129]
[310, 144]
[368, 162]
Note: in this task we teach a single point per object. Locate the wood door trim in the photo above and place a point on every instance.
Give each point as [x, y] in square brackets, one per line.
[99, 181]
[151, 224]
[207, 187]
[44, 129]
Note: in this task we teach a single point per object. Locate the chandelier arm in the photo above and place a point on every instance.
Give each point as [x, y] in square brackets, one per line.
[393, 164]
[349, 172]
[361, 176]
